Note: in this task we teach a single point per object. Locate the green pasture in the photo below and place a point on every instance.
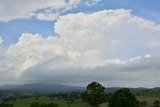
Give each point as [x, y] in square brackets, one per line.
[149, 97]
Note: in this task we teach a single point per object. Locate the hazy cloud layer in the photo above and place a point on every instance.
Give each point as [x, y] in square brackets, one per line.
[111, 46]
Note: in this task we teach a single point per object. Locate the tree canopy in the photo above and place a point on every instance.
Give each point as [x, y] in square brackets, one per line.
[123, 98]
[94, 94]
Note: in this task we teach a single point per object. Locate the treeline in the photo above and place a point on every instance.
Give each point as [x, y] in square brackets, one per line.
[72, 96]
[3, 104]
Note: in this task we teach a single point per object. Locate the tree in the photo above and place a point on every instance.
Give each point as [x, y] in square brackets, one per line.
[94, 95]
[123, 98]
[156, 103]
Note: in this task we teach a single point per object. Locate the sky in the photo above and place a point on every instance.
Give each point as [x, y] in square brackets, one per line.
[75, 42]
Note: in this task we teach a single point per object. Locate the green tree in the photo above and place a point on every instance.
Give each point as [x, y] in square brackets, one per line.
[123, 98]
[94, 95]
[156, 103]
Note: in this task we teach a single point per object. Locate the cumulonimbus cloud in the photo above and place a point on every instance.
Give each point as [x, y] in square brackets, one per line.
[102, 46]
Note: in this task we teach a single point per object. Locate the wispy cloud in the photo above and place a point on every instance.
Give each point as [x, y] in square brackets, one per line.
[91, 2]
[18, 9]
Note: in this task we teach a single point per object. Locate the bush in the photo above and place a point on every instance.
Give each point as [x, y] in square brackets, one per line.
[143, 104]
[43, 105]
[52, 105]
[35, 104]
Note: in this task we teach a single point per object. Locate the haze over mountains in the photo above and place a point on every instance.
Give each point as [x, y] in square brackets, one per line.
[41, 87]
[44, 87]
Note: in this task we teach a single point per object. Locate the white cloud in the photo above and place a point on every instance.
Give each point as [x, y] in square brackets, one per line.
[91, 2]
[18, 9]
[1, 40]
[47, 16]
[115, 32]
[102, 46]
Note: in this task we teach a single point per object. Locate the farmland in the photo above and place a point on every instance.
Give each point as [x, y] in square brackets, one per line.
[24, 96]
[149, 97]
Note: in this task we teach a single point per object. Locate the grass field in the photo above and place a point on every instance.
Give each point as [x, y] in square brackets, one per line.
[149, 97]
[60, 102]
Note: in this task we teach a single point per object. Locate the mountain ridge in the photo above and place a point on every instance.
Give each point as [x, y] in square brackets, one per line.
[44, 87]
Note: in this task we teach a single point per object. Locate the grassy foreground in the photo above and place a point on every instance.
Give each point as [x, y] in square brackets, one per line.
[149, 97]
[60, 102]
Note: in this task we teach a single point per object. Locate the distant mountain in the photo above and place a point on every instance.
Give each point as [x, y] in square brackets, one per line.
[7, 86]
[42, 87]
